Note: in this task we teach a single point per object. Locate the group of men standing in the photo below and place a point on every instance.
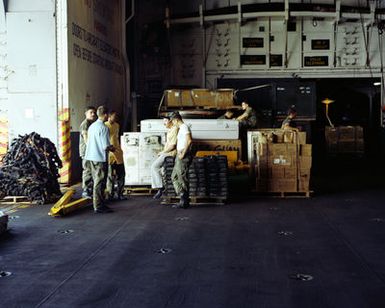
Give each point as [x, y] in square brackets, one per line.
[102, 157]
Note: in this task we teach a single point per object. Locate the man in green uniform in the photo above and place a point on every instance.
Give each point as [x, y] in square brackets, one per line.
[248, 119]
[90, 113]
[182, 160]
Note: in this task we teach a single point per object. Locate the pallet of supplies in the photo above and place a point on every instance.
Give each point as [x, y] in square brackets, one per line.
[344, 139]
[280, 160]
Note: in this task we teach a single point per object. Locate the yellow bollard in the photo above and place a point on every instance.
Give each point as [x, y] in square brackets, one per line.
[3, 136]
[65, 146]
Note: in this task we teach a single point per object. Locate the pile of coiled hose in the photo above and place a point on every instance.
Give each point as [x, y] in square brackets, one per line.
[30, 168]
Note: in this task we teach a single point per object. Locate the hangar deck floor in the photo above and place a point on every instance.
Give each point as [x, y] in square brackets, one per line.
[237, 255]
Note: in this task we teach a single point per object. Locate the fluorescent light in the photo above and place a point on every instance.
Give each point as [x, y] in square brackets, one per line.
[377, 83]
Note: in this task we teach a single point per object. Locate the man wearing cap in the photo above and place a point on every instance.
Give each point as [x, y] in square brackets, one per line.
[182, 160]
[168, 150]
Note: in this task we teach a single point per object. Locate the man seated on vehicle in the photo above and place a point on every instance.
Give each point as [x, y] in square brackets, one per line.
[248, 119]
[168, 150]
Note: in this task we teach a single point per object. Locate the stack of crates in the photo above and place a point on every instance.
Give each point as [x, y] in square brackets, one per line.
[280, 161]
[208, 177]
[217, 176]
[345, 139]
[196, 98]
[168, 166]
[197, 177]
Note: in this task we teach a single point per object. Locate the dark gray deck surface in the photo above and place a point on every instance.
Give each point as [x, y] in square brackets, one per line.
[221, 256]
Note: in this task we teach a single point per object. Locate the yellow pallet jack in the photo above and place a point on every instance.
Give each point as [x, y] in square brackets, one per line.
[66, 205]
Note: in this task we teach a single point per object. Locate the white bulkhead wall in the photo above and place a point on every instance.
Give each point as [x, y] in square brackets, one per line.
[31, 62]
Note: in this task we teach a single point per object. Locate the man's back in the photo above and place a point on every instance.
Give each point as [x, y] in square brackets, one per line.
[117, 155]
[98, 141]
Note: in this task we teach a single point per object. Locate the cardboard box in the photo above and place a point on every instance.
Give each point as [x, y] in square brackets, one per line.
[291, 149]
[305, 162]
[303, 184]
[346, 133]
[359, 132]
[276, 172]
[290, 173]
[347, 146]
[289, 136]
[301, 137]
[305, 150]
[304, 172]
[202, 97]
[288, 185]
[282, 160]
[223, 98]
[275, 149]
[282, 185]
[187, 100]
[331, 135]
[278, 136]
[173, 98]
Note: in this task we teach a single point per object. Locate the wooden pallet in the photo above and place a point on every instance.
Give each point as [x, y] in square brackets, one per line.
[139, 190]
[196, 200]
[15, 200]
[284, 194]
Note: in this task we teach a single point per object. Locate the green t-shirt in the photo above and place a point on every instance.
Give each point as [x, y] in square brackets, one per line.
[82, 143]
[251, 116]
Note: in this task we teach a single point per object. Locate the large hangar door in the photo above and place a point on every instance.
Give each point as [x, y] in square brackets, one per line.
[32, 80]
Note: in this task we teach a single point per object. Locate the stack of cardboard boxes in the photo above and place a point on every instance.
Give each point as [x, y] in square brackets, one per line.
[281, 160]
[345, 139]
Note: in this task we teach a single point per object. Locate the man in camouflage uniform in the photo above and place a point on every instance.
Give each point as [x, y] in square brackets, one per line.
[90, 113]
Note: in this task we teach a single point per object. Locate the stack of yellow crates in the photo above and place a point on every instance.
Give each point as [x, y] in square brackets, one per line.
[282, 161]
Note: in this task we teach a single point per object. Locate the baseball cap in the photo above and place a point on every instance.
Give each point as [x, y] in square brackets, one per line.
[175, 115]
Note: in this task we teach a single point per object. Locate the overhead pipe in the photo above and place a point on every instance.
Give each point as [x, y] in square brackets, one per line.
[126, 63]
[286, 60]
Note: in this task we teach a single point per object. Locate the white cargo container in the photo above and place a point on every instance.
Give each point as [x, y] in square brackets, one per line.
[139, 151]
[207, 129]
